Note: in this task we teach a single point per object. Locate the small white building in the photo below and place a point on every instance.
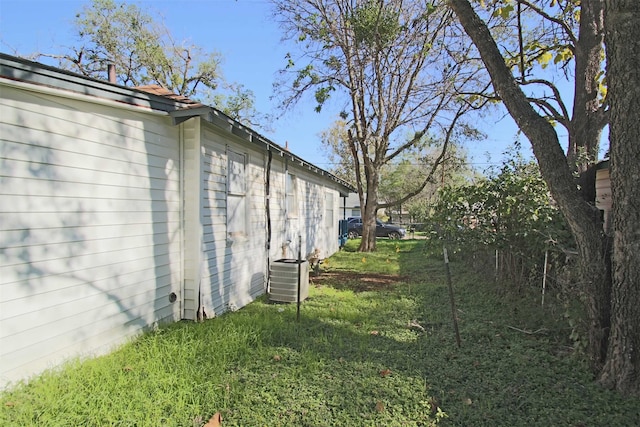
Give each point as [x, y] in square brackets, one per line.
[123, 208]
[352, 205]
[603, 193]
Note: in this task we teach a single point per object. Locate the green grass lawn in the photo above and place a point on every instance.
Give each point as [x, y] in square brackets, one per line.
[374, 347]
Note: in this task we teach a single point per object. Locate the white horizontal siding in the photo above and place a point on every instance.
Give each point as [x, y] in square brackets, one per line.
[89, 228]
[233, 272]
[310, 223]
[277, 209]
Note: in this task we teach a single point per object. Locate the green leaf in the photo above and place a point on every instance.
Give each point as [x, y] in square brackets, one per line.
[503, 11]
[544, 59]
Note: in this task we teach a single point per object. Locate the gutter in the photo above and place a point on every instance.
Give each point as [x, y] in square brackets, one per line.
[234, 127]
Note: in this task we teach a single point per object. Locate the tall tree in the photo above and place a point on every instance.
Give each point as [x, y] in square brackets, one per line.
[581, 216]
[144, 52]
[389, 59]
[622, 368]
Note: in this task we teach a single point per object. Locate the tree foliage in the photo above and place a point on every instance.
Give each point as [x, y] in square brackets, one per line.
[336, 147]
[511, 210]
[511, 213]
[144, 52]
[550, 45]
[398, 67]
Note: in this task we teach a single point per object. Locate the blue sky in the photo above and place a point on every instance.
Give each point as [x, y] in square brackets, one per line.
[244, 32]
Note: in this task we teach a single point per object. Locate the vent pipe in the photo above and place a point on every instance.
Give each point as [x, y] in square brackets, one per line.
[111, 70]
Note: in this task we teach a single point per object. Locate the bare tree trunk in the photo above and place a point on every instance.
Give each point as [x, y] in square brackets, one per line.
[588, 118]
[368, 243]
[622, 368]
[583, 219]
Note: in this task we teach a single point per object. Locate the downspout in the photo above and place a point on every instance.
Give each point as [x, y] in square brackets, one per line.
[182, 218]
[344, 207]
[267, 187]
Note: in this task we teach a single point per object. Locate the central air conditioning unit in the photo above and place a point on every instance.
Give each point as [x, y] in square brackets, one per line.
[284, 280]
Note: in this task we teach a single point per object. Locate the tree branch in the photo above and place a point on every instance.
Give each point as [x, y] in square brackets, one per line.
[438, 161]
[556, 95]
[548, 17]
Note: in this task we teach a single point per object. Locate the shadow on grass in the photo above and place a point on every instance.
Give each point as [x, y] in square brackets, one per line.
[515, 365]
[377, 349]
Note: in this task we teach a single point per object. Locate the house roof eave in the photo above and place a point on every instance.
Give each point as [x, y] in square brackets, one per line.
[151, 98]
[221, 120]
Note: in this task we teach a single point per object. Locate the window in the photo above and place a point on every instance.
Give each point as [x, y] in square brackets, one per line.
[236, 195]
[328, 209]
[291, 188]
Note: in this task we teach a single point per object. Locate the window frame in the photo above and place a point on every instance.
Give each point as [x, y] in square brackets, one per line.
[237, 229]
[292, 206]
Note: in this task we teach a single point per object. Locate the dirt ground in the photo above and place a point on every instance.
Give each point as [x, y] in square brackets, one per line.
[357, 282]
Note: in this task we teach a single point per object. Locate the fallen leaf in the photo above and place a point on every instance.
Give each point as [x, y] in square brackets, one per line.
[467, 401]
[127, 368]
[385, 373]
[379, 406]
[215, 421]
[374, 333]
[277, 358]
[10, 404]
[364, 259]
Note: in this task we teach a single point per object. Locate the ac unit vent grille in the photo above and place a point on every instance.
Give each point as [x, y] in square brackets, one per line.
[284, 280]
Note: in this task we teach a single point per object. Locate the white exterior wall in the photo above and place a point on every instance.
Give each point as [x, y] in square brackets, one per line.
[225, 272]
[281, 243]
[603, 197]
[193, 229]
[108, 209]
[318, 232]
[234, 271]
[90, 238]
[310, 221]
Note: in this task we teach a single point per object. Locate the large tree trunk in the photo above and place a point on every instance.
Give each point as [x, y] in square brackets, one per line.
[622, 18]
[583, 219]
[588, 118]
[368, 243]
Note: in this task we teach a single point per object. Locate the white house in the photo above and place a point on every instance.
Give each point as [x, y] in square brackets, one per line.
[122, 208]
[352, 205]
[603, 193]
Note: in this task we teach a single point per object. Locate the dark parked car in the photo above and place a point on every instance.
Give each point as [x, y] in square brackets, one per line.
[391, 231]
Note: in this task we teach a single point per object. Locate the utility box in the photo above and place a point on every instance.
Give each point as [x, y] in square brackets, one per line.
[343, 232]
[284, 280]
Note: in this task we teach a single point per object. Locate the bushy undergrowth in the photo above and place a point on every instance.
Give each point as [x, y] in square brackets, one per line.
[509, 213]
[381, 357]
